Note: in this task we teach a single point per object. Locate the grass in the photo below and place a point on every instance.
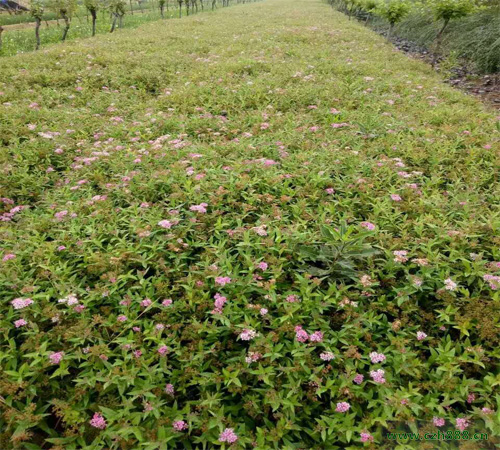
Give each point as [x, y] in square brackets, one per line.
[349, 195]
[23, 40]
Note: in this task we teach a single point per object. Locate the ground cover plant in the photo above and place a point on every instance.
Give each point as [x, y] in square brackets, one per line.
[276, 232]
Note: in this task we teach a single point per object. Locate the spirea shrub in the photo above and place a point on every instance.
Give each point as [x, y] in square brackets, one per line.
[209, 252]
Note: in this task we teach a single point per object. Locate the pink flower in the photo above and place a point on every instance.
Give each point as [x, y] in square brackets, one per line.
[263, 311]
[247, 335]
[201, 208]
[366, 281]
[262, 266]
[169, 389]
[98, 421]
[358, 379]
[8, 257]
[450, 285]
[462, 423]
[252, 357]
[55, 358]
[20, 323]
[368, 225]
[317, 336]
[377, 357]
[179, 425]
[167, 302]
[20, 303]
[222, 281]
[61, 248]
[366, 437]
[378, 376]
[146, 302]
[342, 407]
[121, 318]
[400, 256]
[438, 421]
[300, 334]
[327, 356]
[421, 335]
[471, 398]
[260, 230]
[396, 197]
[163, 350]
[330, 191]
[292, 299]
[487, 410]
[228, 435]
[165, 224]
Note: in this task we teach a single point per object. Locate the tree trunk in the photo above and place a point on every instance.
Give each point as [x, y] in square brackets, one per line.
[180, 9]
[93, 13]
[162, 6]
[120, 20]
[66, 27]
[1, 31]
[113, 25]
[391, 27]
[131, 9]
[439, 41]
[37, 32]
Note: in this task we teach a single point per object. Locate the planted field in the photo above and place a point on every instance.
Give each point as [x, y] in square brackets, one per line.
[260, 228]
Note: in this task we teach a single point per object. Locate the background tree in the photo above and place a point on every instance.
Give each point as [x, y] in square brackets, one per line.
[117, 9]
[92, 7]
[36, 11]
[64, 9]
[393, 11]
[447, 10]
[161, 3]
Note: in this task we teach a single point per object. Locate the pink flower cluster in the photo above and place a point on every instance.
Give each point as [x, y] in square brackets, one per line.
[400, 256]
[493, 281]
[228, 435]
[163, 350]
[98, 421]
[438, 421]
[20, 303]
[20, 323]
[222, 281]
[327, 356]
[366, 437]
[368, 225]
[247, 334]
[378, 376]
[201, 208]
[219, 303]
[358, 379]
[300, 334]
[421, 335]
[252, 357]
[342, 407]
[56, 358]
[179, 425]
[462, 423]
[377, 357]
